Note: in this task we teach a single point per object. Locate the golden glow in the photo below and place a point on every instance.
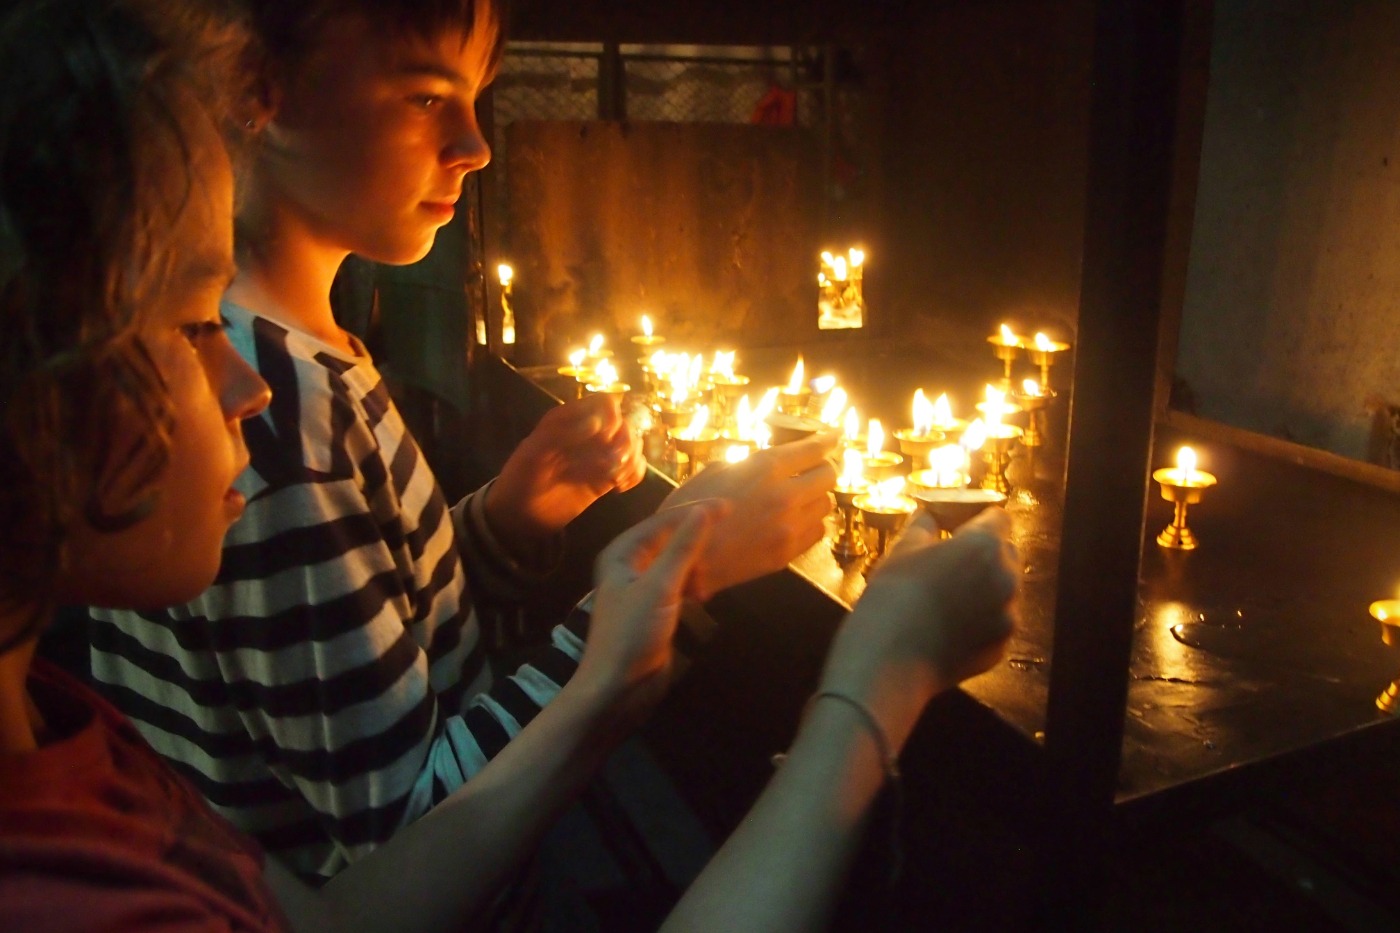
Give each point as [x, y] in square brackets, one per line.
[838, 269]
[827, 258]
[576, 358]
[835, 405]
[1007, 337]
[646, 326]
[885, 494]
[949, 464]
[943, 412]
[595, 346]
[923, 414]
[994, 408]
[975, 436]
[795, 384]
[852, 469]
[1043, 342]
[1030, 388]
[723, 364]
[736, 453]
[698, 422]
[505, 273]
[823, 384]
[1186, 463]
[852, 425]
[766, 405]
[857, 257]
[875, 438]
[606, 373]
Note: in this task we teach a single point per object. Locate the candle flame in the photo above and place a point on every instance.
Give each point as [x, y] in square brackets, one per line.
[883, 493]
[1030, 387]
[646, 326]
[857, 257]
[823, 384]
[923, 414]
[723, 364]
[949, 464]
[659, 361]
[875, 438]
[763, 435]
[607, 373]
[736, 453]
[697, 366]
[1043, 342]
[1186, 462]
[852, 425]
[828, 258]
[838, 269]
[505, 273]
[576, 358]
[852, 468]
[743, 419]
[595, 345]
[994, 408]
[766, 405]
[697, 422]
[795, 384]
[975, 436]
[943, 412]
[835, 405]
[1007, 337]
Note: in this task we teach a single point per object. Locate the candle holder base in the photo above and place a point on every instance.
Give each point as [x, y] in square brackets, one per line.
[1177, 537]
[849, 544]
[1389, 700]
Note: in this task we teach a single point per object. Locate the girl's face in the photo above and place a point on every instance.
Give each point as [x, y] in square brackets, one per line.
[372, 136]
[173, 554]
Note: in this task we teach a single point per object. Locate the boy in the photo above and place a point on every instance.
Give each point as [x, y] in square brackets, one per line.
[122, 399]
[331, 687]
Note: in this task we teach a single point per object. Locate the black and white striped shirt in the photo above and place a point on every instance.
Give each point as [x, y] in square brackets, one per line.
[331, 686]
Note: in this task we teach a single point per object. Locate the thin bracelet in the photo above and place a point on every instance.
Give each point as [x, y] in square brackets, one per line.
[890, 763]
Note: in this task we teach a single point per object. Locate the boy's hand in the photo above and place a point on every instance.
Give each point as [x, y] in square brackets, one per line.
[641, 579]
[780, 498]
[577, 453]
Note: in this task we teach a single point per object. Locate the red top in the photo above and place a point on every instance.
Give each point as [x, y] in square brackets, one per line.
[98, 832]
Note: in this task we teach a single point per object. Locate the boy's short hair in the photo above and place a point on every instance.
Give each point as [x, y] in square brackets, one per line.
[97, 100]
[287, 29]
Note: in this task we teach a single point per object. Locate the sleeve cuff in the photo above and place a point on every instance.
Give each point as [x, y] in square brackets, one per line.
[474, 527]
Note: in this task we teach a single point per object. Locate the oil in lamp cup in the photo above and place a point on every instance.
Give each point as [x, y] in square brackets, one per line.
[884, 465]
[697, 449]
[1044, 357]
[915, 447]
[1387, 613]
[1182, 488]
[581, 375]
[848, 545]
[885, 515]
[788, 428]
[953, 507]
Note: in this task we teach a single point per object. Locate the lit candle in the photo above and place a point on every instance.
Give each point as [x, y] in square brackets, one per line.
[835, 406]
[947, 469]
[1182, 485]
[995, 408]
[917, 441]
[576, 370]
[1042, 352]
[506, 275]
[1004, 345]
[646, 339]
[880, 464]
[1387, 613]
[596, 350]
[792, 398]
[1005, 337]
[736, 453]
[885, 508]
[943, 420]
[852, 477]
[605, 381]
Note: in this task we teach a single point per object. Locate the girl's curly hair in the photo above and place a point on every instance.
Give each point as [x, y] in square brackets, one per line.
[97, 102]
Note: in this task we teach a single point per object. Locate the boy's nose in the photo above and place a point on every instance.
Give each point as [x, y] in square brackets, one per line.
[242, 392]
[468, 149]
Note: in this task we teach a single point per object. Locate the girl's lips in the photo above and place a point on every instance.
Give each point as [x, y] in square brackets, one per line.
[443, 210]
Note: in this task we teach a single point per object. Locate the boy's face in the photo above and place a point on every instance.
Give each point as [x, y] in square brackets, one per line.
[171, 555]
[372, 136]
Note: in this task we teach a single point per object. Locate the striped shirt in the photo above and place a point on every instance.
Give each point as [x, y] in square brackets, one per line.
[332, 685]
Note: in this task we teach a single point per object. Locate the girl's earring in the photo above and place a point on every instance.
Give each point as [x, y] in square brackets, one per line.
[250, 125]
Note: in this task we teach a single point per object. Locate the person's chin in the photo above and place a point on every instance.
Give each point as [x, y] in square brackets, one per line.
[404, 252]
